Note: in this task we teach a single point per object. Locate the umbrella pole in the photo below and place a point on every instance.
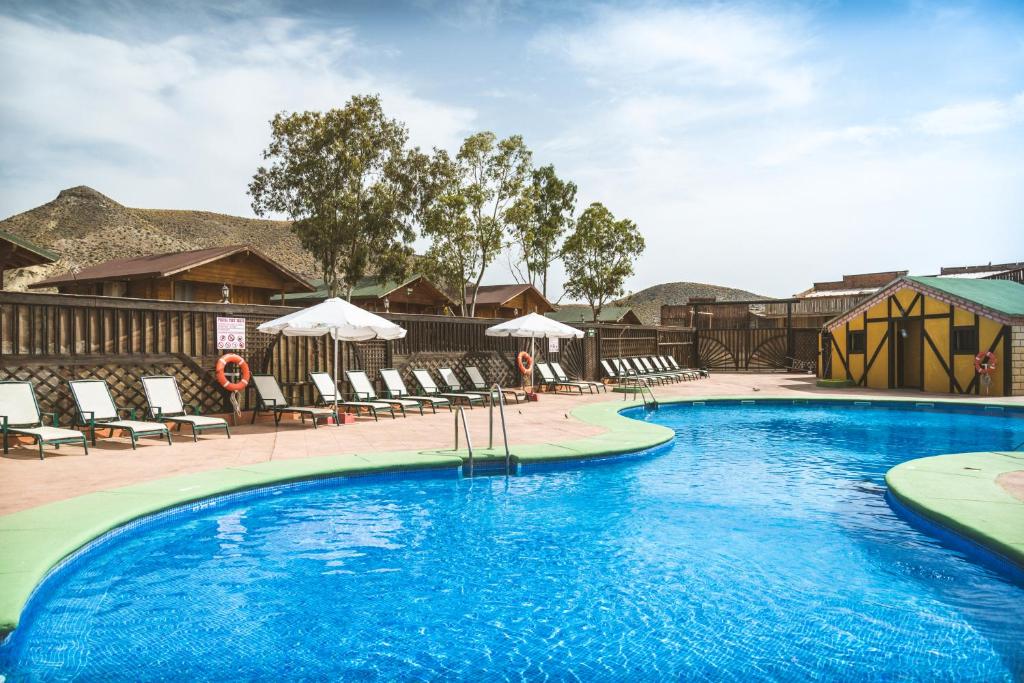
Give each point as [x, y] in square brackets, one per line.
[533, 343]
[337, 422]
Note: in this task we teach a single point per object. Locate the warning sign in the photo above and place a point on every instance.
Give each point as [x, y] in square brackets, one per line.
[231, 333]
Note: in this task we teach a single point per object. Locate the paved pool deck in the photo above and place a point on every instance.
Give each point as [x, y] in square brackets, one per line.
[51, 508]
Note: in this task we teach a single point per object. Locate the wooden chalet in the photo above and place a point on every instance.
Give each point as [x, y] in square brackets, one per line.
[249, 277]
[415, 294]
[17, 252]
[618, 315]
[925, 332]
[509, 301]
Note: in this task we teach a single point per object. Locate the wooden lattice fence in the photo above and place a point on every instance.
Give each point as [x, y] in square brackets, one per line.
[51, 338]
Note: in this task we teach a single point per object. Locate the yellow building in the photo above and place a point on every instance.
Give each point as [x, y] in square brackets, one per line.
[926, 332]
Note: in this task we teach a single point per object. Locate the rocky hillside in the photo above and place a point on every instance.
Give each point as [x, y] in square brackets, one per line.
[647, 303]
[86, 227]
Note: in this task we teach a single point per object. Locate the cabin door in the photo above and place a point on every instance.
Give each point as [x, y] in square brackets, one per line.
[909, 352]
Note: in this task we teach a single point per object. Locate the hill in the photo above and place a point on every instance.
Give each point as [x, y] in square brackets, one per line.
[647, 303]
[86, 227]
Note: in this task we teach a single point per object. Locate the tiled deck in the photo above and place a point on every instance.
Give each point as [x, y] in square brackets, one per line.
[26, 482]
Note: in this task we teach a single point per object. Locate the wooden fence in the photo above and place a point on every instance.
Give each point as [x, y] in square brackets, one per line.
[51, 338]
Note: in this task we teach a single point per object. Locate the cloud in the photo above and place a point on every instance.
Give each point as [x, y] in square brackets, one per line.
[178, 122]
[859, 137]
[972, 118]
[706, 51]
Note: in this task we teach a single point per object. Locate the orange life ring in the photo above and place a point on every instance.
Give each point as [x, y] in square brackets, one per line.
[985, 363]
[524, 362]
[222, 363]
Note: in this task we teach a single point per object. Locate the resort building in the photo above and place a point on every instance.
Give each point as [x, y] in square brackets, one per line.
[932, 334]
[620, 315]
[239, 274]
[415, 294]
[17, 252]
[509, 301]
[998, 271]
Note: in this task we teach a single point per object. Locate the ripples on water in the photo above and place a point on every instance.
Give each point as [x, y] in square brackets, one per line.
[759, 547]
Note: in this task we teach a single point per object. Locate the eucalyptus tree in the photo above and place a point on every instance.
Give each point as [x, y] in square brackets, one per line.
[599, 256]
[466, 206]
[349, 185]
[538, 220]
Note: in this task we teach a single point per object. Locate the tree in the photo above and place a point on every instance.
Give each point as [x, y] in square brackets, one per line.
[599, 256]
[346, 180]
[485, 179]
[539, 219]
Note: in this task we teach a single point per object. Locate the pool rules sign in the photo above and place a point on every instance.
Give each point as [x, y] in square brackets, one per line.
[231, 334]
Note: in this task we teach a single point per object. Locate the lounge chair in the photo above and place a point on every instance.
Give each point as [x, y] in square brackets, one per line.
[96, 410]
[326, 388]
[428, 387]
[548, 379]
[477, 380]
[645, 371]
[395, 388]
[673, 364]
[561, 376]
[362, 388]
[627, 373]
[165, 405]
[655, 369]
[609, 371]
[20, 415]
[450, 383]
[269, 397]
[687, 372]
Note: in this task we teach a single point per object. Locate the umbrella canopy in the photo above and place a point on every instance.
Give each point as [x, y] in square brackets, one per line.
[534, 326]
[338, 317]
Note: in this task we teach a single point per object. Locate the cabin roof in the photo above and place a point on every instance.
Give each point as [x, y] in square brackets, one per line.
[165, 265]
[490, 295]
[582, 314]
[369, 288]
[25, 253]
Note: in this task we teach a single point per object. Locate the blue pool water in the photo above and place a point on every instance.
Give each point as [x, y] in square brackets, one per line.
[759, 546]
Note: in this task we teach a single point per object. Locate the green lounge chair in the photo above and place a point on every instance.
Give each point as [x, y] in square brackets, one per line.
[270, 398]
[362, 388]
[396, 389]
[428, 387]
[165, 405]
[96, 410]
[20, 415]
[326, 388]
[477, 380]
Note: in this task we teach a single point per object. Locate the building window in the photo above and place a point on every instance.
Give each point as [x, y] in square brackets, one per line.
[857, 342]
[184, 291]
[965, 340]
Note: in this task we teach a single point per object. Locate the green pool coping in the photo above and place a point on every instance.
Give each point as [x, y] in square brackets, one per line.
[36, 540]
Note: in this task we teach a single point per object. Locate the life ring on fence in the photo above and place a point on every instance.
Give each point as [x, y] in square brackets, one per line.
[222, 363]
[985, 363]
[524, 362]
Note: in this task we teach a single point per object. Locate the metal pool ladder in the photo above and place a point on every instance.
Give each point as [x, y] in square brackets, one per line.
[460, 412]
[645, 391]
[498, 396]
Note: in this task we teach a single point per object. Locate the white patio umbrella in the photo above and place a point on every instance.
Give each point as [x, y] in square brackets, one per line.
[535, 326]
[340, 319]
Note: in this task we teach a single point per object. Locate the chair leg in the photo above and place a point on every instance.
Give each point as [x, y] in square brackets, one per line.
[41, 455]
[253, 420]
[5, 442]
[227, 430]
[85, 444]
[132, 435]
[168, 433]
[195, 438]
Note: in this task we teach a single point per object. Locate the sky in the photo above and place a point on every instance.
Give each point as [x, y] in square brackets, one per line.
[760, 145]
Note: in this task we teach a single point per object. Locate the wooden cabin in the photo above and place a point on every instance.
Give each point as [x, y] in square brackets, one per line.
[619, 315]
[509, 301]
[17, 252]
[925, 332]
[415, 294]
[201, 275]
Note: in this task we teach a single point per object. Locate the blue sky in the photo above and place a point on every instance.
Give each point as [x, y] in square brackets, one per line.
[759, 145]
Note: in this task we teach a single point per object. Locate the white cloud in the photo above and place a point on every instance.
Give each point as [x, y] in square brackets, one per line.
[971, 118]
[707, 51]
[180, 122]
[857, 138]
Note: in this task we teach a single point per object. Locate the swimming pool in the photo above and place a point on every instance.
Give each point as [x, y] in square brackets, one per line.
[757, 546]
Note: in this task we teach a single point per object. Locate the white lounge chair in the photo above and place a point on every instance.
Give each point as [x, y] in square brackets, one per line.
[362, 388]
[396, 389]
[269, 397]
[477, 380]
[96, 410]
[325, 386]
[562, 376]
[451, 383]
[549, 380]
[20, 415]
[165, 405]
[428, 387]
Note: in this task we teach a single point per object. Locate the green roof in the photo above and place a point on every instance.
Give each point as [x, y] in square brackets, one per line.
[583, 314]
[1002, 296]
[44, 255]
[366, 288]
